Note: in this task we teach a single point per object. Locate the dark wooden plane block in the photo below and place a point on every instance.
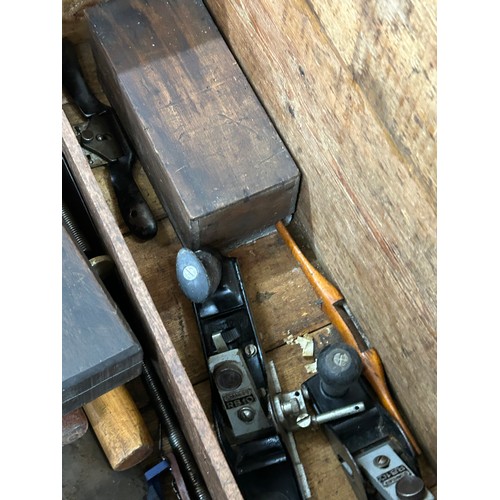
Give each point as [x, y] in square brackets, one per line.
[206, 143]
[99, 351]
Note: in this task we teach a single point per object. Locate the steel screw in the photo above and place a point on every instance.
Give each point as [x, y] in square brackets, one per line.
[303, 420]
[341, 359]
[87, 135]
[305, 392]
[250, 350]
[228, 376]
[410, 488]
[190, 273]
[246, 414]
[382, 461]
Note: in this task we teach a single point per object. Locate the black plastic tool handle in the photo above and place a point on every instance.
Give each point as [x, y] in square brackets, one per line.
[75, 84]
[133, 207]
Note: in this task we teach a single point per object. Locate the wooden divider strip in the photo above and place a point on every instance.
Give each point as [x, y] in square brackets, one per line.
[194, 423]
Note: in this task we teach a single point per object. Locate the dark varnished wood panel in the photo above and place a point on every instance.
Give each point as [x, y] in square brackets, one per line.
[213, 156]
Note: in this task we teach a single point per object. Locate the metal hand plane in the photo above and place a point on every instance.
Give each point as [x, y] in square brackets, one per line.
[265, 463]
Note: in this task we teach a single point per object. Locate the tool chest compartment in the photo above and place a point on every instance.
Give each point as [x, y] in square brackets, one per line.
[365, 216]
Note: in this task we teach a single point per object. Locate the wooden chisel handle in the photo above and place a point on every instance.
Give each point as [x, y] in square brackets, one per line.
[373, 369]
[120, 428]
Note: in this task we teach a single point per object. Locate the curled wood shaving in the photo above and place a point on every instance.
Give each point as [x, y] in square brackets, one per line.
[305, 342]
[311, 367]
[307, 346]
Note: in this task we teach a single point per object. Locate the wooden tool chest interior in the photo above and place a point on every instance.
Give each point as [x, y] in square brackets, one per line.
[363, 137]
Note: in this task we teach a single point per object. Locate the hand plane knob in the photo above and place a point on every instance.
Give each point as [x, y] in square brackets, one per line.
[339, 366]
[198, 273]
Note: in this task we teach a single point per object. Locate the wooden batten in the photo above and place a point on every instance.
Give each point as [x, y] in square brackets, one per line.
[192, 418]
[351, 87]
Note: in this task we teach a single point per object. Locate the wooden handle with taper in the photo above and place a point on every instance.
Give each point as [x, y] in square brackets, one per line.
[120, 428]
[373, 369]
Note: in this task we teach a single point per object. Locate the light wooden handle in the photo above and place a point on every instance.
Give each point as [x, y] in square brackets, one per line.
[374, 373]
[372, 365]
[120, 428]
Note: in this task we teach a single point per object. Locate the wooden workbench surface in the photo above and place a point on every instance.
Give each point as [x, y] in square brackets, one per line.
[282, 302]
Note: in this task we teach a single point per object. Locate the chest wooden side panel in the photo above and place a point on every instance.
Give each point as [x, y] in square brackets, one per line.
[217, 164]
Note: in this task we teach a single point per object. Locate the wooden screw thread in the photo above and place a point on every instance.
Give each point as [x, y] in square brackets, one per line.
[120, 428]
[372, 365]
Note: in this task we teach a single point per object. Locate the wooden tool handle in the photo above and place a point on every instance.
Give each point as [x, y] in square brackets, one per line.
[120, 429]
[74, 426]
[373, 369]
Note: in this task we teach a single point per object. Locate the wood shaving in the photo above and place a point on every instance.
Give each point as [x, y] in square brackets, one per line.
[307, 346]
[305, 342]
[311, 367]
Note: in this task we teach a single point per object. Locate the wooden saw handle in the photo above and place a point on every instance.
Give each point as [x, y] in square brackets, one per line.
[120, 428]
[373, 369]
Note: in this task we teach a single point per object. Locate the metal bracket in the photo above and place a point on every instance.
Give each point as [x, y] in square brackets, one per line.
[282, 422]
[97, 139]
[93, 159]
[384, 469]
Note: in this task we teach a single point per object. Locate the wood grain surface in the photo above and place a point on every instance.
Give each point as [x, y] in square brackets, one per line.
[390, 50]
[351, 88]
[213, 156]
